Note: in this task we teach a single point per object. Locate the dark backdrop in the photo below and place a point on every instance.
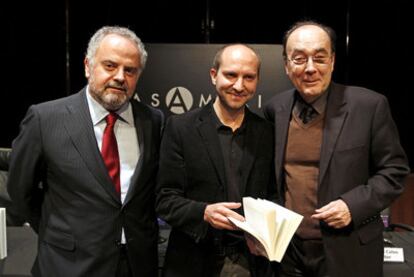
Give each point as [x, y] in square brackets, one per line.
[44, 42]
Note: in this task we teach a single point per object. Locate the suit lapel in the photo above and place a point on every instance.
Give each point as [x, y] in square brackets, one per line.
[143, 128]
[282, 120]
[209, 136]
[251, 143]
[336, 114]
[80, 129]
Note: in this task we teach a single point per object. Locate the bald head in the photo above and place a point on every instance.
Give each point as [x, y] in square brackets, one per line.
[236, 51]
[308, 37]
[235, 75]
[330, 33]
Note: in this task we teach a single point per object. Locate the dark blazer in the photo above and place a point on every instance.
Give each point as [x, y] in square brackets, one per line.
[77, 214]
[192, 175]
[362, 162]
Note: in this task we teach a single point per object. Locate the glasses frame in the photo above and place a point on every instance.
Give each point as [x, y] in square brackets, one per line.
[317, 61]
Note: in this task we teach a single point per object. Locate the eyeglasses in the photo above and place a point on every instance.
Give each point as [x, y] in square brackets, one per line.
[302, 60]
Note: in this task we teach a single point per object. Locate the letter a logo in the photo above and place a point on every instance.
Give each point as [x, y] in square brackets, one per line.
[179, 100]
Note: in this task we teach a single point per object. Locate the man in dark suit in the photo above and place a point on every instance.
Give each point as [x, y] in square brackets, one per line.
[94, 213]
[338, 161]
[210, 158]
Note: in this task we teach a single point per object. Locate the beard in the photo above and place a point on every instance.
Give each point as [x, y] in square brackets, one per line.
[111, 101]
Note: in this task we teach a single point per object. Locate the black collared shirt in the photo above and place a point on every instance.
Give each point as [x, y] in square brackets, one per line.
[232, 144]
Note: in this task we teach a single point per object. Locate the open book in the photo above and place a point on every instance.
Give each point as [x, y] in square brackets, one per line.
[271, 226]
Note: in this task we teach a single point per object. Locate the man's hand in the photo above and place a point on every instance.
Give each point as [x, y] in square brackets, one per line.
[336, 214]
[216, 215]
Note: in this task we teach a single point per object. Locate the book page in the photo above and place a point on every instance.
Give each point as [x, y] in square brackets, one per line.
[3, 239]
[271, 224]
[288, 221]
[253, 232]
[255, 246]
[261, 216]
[280, 224]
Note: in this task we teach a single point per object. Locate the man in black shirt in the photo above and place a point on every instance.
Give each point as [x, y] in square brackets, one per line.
[210, 158]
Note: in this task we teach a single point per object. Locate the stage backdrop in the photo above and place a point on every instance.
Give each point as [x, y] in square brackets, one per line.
[177, 77]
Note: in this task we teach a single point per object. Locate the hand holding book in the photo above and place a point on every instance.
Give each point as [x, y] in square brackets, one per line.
[272, 227]
[217, 215]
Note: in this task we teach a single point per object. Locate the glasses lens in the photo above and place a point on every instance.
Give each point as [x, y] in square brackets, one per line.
[318, 60]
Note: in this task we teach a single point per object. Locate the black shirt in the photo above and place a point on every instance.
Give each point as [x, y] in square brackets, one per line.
[232, 145]
[232, 150]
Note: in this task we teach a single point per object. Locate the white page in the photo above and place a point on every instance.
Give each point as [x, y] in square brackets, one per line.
[255, 216]
[3, 237]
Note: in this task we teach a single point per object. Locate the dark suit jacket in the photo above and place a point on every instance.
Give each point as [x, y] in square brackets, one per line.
[361, 162]
[192, 175]
[77, 214]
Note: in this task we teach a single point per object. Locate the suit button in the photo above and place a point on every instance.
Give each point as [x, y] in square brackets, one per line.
[118, 243]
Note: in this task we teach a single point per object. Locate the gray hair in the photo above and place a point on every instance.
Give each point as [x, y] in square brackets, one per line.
[97, 38]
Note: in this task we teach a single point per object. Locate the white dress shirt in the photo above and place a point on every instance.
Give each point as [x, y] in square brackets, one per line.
[126, 137]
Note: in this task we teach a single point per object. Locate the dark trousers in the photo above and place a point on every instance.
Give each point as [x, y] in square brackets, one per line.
[123, 268]
[303, 258]
[232, 265]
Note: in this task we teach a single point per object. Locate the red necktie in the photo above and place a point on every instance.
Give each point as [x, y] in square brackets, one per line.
[110, 151]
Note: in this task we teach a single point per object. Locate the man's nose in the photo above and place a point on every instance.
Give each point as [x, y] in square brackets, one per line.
[239, 84]
[120, 75]
[310, 66]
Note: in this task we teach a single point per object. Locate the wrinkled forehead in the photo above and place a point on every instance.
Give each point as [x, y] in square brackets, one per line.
[308, 38]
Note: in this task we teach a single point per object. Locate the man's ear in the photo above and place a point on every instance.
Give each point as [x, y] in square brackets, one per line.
[213, 75]
[333, 61]
[286, 68]
[87, 67]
